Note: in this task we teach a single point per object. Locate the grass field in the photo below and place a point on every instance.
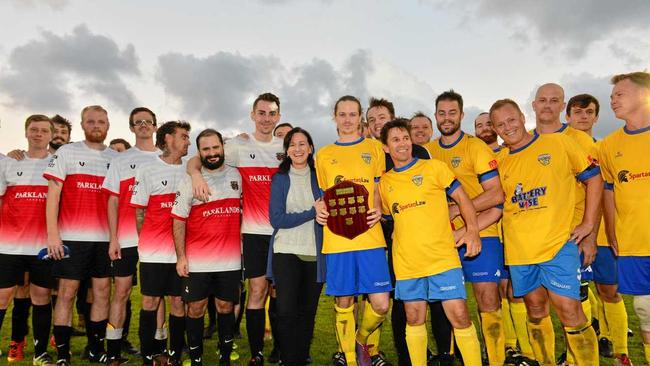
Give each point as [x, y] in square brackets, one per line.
[323, 345]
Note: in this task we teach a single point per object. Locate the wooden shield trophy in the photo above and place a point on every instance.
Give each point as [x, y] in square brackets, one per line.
[347, 204]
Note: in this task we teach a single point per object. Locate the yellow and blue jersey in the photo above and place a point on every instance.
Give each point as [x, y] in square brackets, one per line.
[416, 198]
[362, 162]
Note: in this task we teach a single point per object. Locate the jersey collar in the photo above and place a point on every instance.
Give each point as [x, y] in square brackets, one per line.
[407, 166]
[535, 137]
[640, 130]
[460, 137]
[349, 143]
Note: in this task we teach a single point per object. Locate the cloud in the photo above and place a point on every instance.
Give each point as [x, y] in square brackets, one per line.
[53, 4]
[40, 74]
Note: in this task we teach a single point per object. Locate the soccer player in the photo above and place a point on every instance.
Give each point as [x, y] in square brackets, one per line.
[626, 168]
[421, 128]
[23, 234]
[257, 159]
[206, 237]
[76, 218]
[582, 113]
[548, 106]
[538, 174]
[473, 163]
[360, 160]
[153, 197]
[281, 129]
[483, 130]
[426, 263]
[123, 243]
[119, 145]
[62, 131]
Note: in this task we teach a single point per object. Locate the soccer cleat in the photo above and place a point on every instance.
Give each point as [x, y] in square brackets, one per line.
[225, 361]
[43, 360]
[63, 362]
[605, 348]
[561, 361]
[129, 348]
[338, 359]
[379, 360]
[363, 357]
[16, 351]
[622, 360]
[274, 357]
[630, 333]
[100, 357]
[257, 360]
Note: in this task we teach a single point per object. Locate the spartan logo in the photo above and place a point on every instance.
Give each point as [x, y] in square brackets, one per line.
[455, 161]
[544, 159]
[280, 156]
[417, 180]
[20, 174]
[366, 157]
[234, 185]
[164, 183]
[395, 208]
[622, 176]
[338, 179]
[132, 166]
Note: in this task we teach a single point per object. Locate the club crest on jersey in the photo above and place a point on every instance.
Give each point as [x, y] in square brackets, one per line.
[234, 185]
[132, 166]
[164, 183]
[395, 208]
[338, 179]
[455, 161]
[527, 199]
[544, 159]
[366, 157]
[20, 174]
[82, 163]
[417, 180]
[627, 176]
[280, 156]
[252, 156]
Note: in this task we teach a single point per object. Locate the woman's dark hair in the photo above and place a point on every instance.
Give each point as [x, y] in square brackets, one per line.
[286, 161]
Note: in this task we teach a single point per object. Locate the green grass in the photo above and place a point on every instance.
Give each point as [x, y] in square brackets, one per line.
[323, 345]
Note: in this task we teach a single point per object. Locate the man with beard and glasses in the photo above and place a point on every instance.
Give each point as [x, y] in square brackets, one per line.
[153, 198]
[421, 128]
[77, 230]
[473, 163]
[123, 244]
[206, 236]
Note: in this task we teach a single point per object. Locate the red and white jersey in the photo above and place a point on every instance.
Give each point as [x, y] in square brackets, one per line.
[23, 191]
[119, 182]
[82, 208]
[155, 191]
[257, 162]
[212, 241]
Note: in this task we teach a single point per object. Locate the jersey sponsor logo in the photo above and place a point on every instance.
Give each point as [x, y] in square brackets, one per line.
[259, 178]
[493, 164]
[417, 179]
[366, 157]
[339, 178]
[544, 159]
[30, 195]
[455, 161]
[168, 204]
[222, 211]
[529, 198]
[234, 185]
[397, 207]
[89, 185]
[625, 176]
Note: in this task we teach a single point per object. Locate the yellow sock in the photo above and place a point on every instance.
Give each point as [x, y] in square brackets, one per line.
[586, 308]
[593, 300]
[468, 345]
[542, 339]
[508, 327]
[492, 326]
[646, 347]
[344, 320]
[373, 340]
[416, 341]
[519, 321]
[603, 322]
[369, 323]
[582, 342]
[616, 315]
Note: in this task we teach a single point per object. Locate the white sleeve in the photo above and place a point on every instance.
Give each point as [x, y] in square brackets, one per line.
[4, 163]
[57, 167]
[231, 151]
[141, 192]
[112, 180]
[183, 201]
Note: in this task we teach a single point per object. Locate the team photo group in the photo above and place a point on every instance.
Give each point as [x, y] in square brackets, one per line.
[387, 221]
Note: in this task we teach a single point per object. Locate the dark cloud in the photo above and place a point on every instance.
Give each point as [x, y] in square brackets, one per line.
[40, 73]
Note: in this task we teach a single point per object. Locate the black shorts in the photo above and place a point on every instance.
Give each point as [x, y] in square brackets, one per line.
[128, 265]
[223, 285]
[159, 279]
[87, 259]
[256, 252]
[13, 268]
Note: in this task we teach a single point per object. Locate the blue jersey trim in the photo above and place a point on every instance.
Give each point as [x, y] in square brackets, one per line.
[452, 187]
[634, 132]
[349, 143]
[488, 175]
[535, 136]
[407, 166]
[499, 206]
[609, 186]
[462, 134]
[591, 171]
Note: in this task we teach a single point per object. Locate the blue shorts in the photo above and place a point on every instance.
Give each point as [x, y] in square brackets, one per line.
[448, 285]
[586, 273]
[634, 275]
[505, 274]
[561, 274]
[488, 265]
[357, 272]
[604, 267]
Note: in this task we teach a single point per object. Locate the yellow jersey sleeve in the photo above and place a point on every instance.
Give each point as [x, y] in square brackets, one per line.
[588, 146]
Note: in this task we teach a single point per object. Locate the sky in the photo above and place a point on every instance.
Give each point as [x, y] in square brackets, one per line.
[206, 61]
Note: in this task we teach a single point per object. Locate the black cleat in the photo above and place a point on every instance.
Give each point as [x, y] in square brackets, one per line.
[338, 359]
[605, 348]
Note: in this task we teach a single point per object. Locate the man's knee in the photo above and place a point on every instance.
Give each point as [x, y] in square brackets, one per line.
[380, 304]
[150, 303]
[225, 307]
[196, 309]
[177, 307]
[122, 291]
[608, 293]
[487, 296]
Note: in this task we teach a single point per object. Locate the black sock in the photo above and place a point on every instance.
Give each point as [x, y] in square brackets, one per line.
[442, 329]
[147, 333]
[41, 322]
[194, 329]
[398, 323]
[127, 320]
[96, 333]
[242, 306]
[212, 312]
[19, 316]
[177, 336]
[255, 320]
[226, 326]
[114, 343]
[273, 319]
[62, 335]
[2, 316]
